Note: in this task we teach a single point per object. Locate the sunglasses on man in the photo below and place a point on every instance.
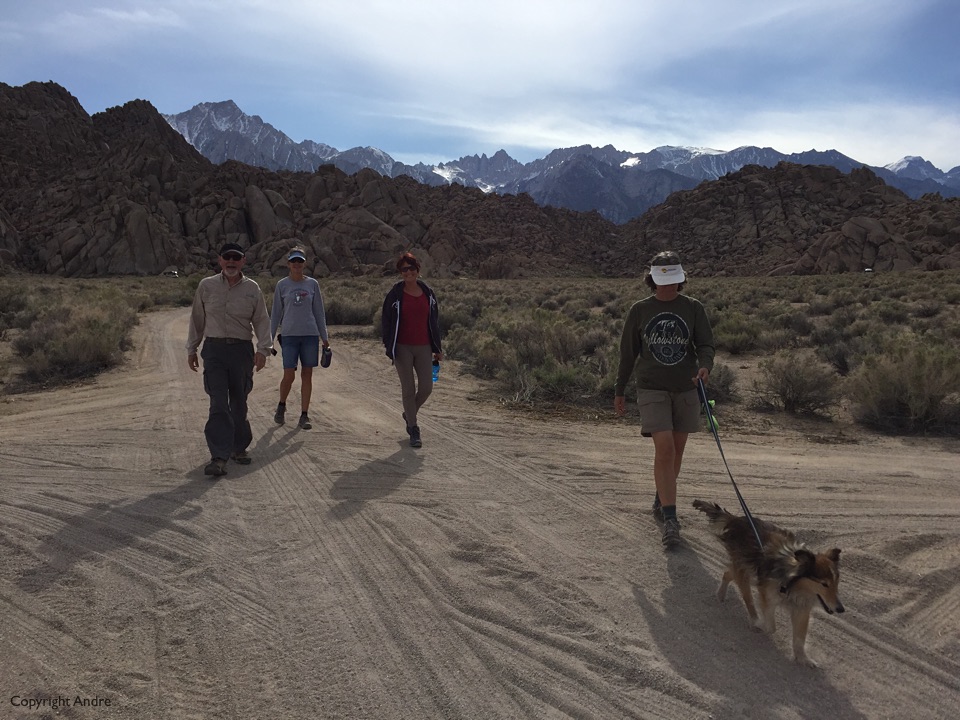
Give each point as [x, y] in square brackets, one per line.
[232, 256]
[298, 261]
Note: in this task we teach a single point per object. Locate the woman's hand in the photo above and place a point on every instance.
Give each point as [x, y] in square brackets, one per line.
[620, 405]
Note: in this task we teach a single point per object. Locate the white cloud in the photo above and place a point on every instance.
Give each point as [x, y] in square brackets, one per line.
[436, 76]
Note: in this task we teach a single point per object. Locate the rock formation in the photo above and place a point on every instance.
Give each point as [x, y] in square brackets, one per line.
[122, 192]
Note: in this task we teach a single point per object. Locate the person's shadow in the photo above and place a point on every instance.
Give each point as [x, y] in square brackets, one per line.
[373, 480]
[107, 527]
[712, 645]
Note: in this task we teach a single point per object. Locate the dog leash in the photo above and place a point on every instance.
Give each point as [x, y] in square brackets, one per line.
[702, 391]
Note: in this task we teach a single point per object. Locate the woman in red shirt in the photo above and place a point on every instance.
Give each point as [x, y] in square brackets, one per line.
[411, 336]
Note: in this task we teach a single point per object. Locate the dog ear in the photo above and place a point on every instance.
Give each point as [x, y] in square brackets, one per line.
[805, 559]
[804, 563]
[834, 555]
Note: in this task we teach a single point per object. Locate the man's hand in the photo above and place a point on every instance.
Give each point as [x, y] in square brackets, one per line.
[620, 405]
[259, 360]
[193, 362]
[702, 374]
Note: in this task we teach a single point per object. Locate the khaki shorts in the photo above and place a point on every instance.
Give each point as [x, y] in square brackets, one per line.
[661, 410]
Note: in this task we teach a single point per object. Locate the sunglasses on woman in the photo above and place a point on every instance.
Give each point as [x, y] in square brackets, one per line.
[298, 261]
[408, 268]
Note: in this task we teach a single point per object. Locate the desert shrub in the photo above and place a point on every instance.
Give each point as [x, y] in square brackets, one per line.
[820, 305]
[776, 339]
[16, 315]
[349, 310]
[891, 311]
[796, 321]
[843, 317]
[822, 335]
[562, 382]
[839, 354]
[594, 339]
[736, 333]
[912, 386]
[797, 383]
[492, 357]
[927, 308]
[74, 342]
[722, 386]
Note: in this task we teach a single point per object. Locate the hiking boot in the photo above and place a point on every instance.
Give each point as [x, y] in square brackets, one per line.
[414, 431]
[304, 422]
[657, 509]
[278, 416]
[241, 458]
[216, 467]
[671, 533]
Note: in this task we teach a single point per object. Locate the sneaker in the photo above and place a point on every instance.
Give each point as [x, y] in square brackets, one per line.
[657, 509]
[278, 416]
[241, 458]
[216, 466]
[671, 533]
[304, 422]
[415, 441]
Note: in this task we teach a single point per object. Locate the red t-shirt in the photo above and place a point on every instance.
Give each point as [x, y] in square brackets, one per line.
[414, 316]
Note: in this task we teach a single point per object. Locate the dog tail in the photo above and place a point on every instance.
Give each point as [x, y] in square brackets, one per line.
[715, 513]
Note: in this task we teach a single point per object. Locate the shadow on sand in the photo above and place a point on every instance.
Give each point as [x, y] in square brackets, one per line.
[105, 528]
[373, 480]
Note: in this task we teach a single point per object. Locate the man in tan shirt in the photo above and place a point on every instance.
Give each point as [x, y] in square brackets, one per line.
[227, 309]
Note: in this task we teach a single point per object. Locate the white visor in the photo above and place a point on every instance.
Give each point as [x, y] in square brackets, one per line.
[667, 274]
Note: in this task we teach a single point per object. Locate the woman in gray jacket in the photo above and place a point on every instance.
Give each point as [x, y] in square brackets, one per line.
[298, 312]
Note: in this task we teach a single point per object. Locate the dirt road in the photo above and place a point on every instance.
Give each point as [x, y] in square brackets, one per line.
[508, 569]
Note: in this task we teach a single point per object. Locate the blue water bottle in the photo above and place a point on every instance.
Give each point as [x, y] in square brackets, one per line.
[436, 370]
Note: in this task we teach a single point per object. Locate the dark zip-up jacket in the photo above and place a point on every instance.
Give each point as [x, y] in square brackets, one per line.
[390, 318]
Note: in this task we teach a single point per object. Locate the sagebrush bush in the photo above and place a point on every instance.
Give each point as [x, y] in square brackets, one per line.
[891, 311]
[722, 385]
[912, 386]
[74, 342]
[736, 333]
[349, 309]
[797, 383]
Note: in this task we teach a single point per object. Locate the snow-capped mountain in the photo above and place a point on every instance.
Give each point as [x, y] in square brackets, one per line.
[915, 168]
[618, 184]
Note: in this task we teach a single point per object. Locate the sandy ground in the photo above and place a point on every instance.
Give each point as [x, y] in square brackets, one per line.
[508, 569]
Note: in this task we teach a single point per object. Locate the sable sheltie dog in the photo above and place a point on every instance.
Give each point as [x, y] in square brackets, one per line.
[783, 570]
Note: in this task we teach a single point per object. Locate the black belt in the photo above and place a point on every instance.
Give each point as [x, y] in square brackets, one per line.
[226, 341]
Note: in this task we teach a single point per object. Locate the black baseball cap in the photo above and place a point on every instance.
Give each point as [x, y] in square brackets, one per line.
[232, 247]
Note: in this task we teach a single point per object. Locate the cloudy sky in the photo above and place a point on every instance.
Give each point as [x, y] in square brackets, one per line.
[433, 80]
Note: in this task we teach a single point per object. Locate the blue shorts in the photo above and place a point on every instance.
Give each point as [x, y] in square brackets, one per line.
[305, 348]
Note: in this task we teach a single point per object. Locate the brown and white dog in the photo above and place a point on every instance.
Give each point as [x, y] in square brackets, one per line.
[783, 570]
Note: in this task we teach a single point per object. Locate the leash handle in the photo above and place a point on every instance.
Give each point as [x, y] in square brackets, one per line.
[702, 392]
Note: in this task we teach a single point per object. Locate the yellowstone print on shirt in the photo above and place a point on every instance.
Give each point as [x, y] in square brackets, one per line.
[668, 337]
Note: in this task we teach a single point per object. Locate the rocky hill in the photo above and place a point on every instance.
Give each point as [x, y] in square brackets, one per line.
[122, 192]
[800, 219]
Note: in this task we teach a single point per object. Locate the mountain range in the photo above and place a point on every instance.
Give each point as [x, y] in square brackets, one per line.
[122, 192]
[618, 184]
